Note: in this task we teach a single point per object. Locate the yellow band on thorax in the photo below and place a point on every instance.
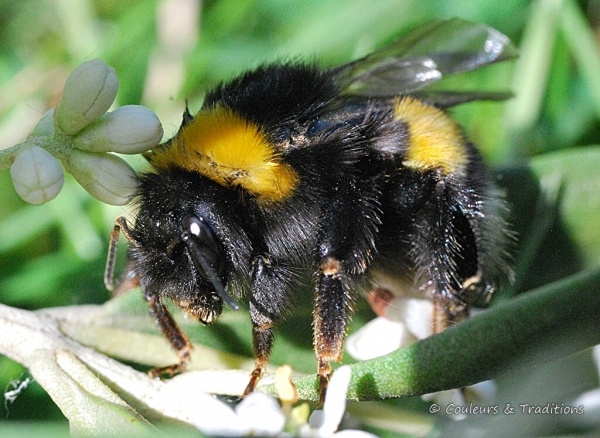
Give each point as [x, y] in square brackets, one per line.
[231, 151]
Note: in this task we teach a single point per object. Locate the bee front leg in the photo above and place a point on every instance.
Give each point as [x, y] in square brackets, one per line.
[172, 332]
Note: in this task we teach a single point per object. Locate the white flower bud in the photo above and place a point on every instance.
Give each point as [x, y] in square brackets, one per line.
[130, 129]
[105, 176]
[89, 92]
[45, 126]
[37, 176]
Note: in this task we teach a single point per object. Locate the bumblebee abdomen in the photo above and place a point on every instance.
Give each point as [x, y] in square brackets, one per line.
[435, 140]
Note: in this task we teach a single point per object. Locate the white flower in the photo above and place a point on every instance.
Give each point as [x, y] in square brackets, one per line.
[325, 422]
[130, 129]
[261, 415]
[37, 176]
[403, 321]
[184, 398]
[89, 92]
[105, 176]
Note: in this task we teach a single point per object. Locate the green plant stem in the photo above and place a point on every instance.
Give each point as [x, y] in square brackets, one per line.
[7, 156]
[551, 322]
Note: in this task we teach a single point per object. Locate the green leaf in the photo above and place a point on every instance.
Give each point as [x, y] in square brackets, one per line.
[555, 203]
[91, 407]
[579, 202]
[584, 46]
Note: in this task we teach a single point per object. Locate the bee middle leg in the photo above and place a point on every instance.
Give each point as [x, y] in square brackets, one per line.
[269, 299]
[346, 240]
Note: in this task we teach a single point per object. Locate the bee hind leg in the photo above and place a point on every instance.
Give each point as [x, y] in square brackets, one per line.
[447, 312]
[446, 253]
[333, 309]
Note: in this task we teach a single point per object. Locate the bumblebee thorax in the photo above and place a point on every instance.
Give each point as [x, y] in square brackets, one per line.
[232, 151]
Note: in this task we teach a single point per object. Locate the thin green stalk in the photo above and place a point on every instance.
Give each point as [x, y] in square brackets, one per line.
[584, 47]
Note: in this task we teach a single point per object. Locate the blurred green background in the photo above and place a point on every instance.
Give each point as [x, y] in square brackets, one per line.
[167, 51]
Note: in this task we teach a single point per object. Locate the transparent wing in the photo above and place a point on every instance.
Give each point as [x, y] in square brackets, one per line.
[447, 99]
[424, 56]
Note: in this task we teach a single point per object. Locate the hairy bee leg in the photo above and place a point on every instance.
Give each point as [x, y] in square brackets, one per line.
[447, 312]
[345, 244]
[270, 296]
[262, 341]
[174, 335]
[333, 309]
[448, 253]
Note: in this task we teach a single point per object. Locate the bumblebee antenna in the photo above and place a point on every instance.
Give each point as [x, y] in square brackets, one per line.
[203, 266]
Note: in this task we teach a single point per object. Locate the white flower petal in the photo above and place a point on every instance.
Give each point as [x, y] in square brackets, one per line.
[378, 337]
[45, 126]
[415, 313]
[316, 419]
[482, 393]
[209, 415]
[351, 433]
[261, 415]
[105, 176]
[37, 176]
[89, 92]
[335, 401]
[130, 129]
[596, 357]
[589, 405]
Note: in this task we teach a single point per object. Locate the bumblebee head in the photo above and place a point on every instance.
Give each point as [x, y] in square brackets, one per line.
[177, 252]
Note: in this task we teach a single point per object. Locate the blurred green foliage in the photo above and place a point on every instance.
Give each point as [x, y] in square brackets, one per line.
[54, 255]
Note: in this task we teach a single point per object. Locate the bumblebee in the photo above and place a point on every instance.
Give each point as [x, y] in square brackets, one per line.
[340, 176]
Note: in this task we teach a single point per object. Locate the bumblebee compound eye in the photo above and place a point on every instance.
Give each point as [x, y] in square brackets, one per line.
[205, 254]
[204, 238]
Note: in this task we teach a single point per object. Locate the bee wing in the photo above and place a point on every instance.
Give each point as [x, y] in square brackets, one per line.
[436, 50]
[447, 99]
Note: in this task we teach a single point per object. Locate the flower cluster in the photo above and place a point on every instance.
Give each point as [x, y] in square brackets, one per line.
[259, 414]
[81, 134]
